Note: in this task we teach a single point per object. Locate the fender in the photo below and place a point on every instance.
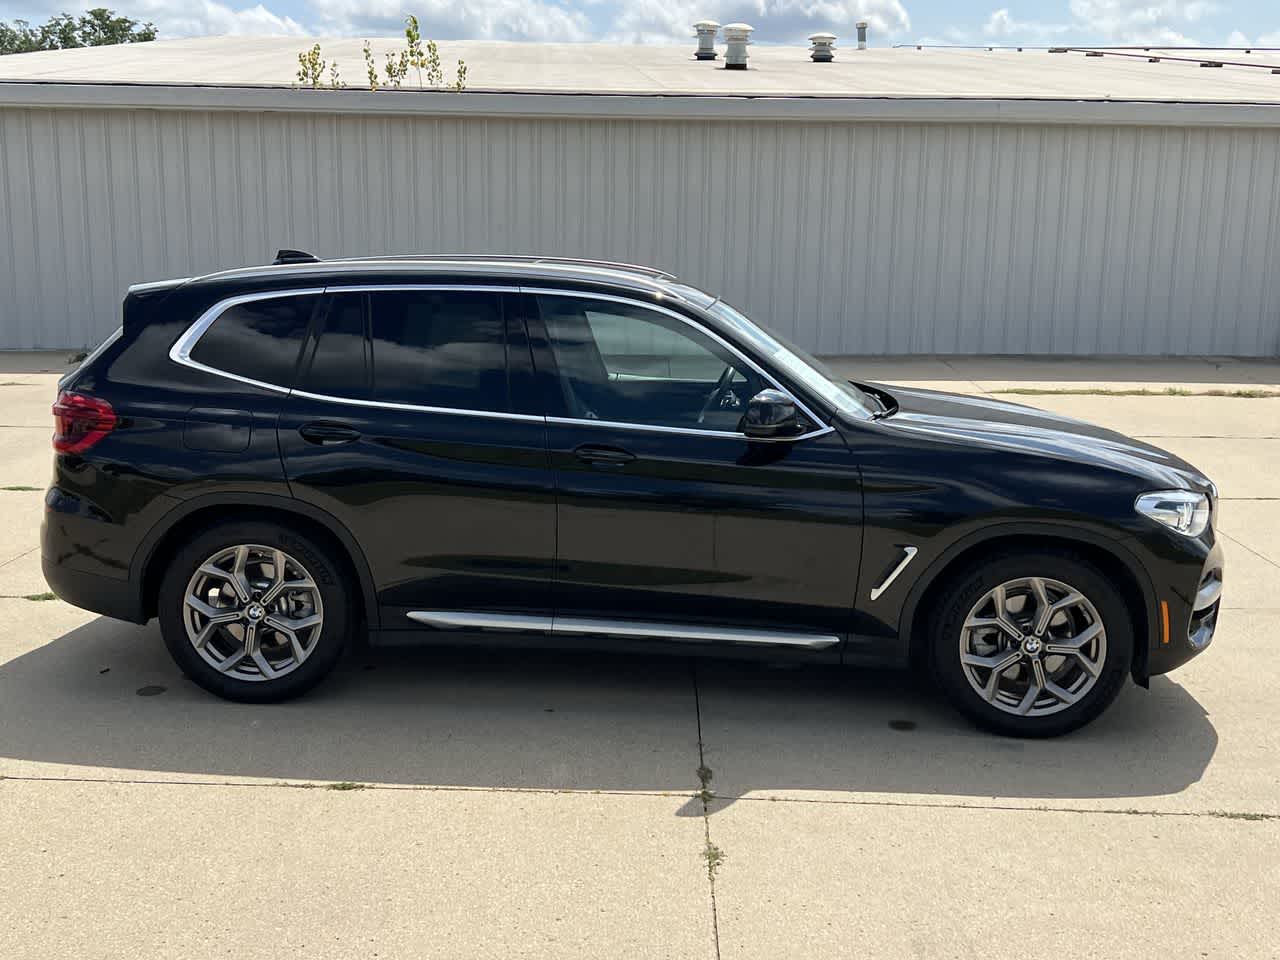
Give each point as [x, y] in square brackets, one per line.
[1116, 548]
[146, 549]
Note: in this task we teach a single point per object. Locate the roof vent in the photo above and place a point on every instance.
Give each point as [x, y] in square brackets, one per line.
[294, 256]
[705, 30]
[737, 36]
[824, 47]
[862, 34]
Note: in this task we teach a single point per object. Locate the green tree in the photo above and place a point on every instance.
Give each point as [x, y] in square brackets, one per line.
[95, 28]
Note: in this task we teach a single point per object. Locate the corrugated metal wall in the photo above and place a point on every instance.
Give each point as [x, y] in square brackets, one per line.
[855, 238]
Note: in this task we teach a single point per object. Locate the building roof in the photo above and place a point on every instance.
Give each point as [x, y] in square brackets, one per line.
[507, 78]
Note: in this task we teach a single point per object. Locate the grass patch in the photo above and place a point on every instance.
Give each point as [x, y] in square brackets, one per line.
[19, 487]
[345, 785]
[1248, 394]
[714, 857]
[47, 595]
[704, 778]
[1227, 815]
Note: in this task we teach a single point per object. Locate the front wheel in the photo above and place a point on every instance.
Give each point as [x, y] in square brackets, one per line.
[1032, 644]
[254, 611]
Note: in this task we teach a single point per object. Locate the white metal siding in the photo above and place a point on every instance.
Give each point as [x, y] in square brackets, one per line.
[850, 237]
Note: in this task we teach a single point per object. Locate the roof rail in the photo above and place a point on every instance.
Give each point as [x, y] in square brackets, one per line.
[521, 258]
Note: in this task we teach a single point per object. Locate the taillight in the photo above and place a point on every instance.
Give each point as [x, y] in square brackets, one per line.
[80, 422]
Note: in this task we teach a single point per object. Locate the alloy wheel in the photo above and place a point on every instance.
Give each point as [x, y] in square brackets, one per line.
[1033, 646]
[253, 612]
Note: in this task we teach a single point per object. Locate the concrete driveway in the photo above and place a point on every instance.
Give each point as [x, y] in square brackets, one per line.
[440, 803]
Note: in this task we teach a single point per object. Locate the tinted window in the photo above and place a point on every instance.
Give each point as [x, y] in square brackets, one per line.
[259, 340]
[338, 365]
[439, 349]
[629, 364]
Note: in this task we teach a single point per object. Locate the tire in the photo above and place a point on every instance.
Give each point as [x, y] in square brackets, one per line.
[1077, 679]
[216, 570]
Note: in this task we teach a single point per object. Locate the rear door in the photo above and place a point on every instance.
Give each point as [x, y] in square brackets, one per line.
[402, 428]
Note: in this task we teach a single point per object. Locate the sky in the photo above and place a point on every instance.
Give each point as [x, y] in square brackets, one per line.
[985, 22]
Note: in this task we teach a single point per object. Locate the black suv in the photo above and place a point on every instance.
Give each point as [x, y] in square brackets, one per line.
[573, 453]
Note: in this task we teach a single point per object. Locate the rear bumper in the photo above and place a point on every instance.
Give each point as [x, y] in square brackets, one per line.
[91, 591]
[84, 557]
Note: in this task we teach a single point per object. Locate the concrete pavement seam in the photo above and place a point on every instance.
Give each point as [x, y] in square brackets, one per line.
[1245, 546]
[711, 852]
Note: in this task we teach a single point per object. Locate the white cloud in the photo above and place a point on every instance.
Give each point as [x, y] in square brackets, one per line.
[447, 20]
[665, 21]
[1269, 39]
[1140, 21]
[1237, 39]
[1112, 22]
[1002, 26]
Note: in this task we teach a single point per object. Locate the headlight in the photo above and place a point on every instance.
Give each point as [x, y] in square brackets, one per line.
[1183, 510]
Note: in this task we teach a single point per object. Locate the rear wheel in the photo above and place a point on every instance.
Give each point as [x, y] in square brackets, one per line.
[254, 611]
[1032, 644]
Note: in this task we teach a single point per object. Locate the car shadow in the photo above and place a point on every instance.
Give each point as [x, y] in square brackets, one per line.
[106, 699]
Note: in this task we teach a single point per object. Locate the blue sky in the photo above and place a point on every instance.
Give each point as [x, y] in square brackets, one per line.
[1029, 22]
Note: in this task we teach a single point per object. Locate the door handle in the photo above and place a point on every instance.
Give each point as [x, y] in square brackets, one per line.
[610, 456]
[328, 434]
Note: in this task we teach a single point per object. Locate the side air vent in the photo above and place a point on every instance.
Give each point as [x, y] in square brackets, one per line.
[293, 256]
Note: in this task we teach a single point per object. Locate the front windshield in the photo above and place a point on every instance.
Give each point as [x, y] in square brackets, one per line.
[811, 373]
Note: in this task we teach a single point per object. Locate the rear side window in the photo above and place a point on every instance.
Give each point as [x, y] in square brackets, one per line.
[259, 340]
[339, 365]
[439, 348]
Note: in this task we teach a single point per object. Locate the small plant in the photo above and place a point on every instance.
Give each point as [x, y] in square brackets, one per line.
[41, 596]
[346, 785]
[397, 67]
[419, 55]
[370, 68]
[311, 68]
[20, 486]
[714, 857]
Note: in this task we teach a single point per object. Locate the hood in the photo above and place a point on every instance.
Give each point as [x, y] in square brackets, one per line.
[1000, 425]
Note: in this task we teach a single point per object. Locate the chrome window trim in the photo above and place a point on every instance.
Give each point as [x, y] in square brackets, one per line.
[180, 352]
[638, 629]
[416, 408]
[690, 431]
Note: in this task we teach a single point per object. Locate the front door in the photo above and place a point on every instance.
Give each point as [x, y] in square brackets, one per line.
[666, 514]
[402, 429]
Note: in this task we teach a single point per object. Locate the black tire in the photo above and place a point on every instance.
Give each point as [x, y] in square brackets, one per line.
[958, 599]
[319, 563]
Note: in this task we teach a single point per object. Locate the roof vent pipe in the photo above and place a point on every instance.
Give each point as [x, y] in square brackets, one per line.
[824, 47]
[737, 36]
[705, 30]
[862, 34]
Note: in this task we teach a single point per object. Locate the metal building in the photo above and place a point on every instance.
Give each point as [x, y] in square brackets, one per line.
[891, 202]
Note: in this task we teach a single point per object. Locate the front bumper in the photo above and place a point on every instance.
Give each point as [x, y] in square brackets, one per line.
[1187, 612]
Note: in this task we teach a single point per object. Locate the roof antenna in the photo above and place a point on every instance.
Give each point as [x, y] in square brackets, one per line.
[293, 256]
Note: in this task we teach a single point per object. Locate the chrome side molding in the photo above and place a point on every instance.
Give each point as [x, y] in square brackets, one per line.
[908, 554]
[648, 630]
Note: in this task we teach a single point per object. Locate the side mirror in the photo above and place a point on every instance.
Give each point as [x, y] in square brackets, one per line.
[771, 415]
